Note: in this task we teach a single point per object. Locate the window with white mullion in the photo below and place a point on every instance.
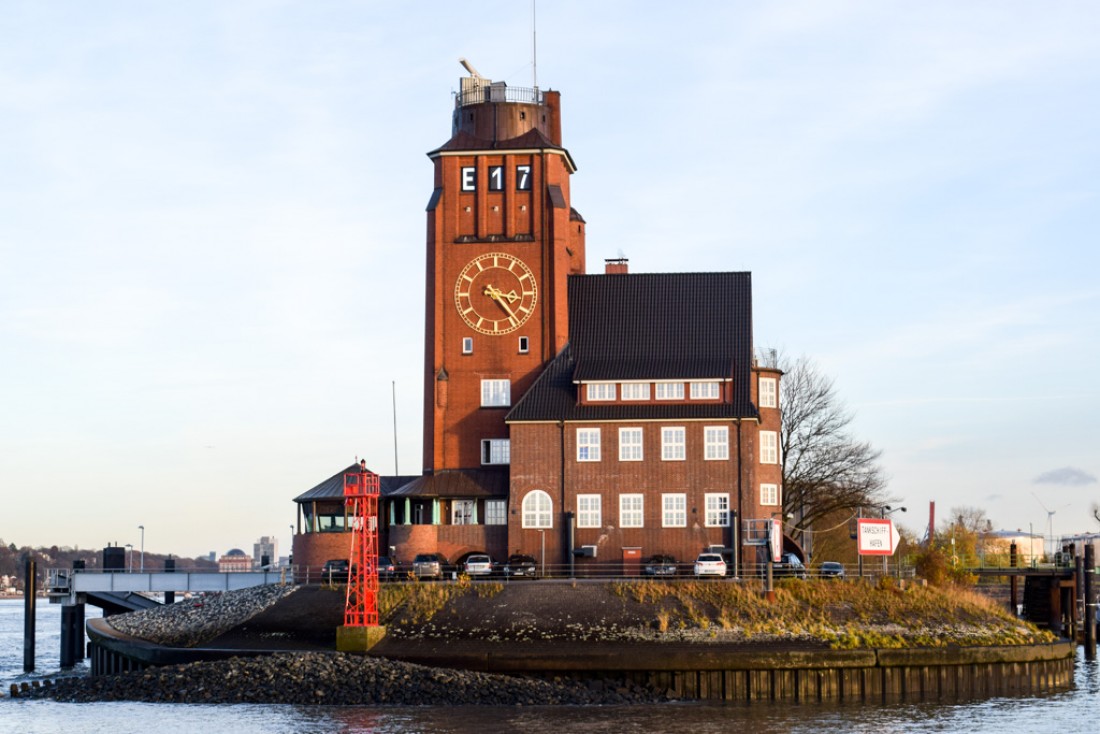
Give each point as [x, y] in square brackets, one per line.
[669, 391]
[705, 390]
[630, 444]
[631, 510]
[768, 392]
[588, 444]
[674, 510]
[634, 391]
[769, 447]
[716, 443]
[717, 510]
[769, 494]
[601, 391]
[496, 393]
[588, 511]
[673, 444]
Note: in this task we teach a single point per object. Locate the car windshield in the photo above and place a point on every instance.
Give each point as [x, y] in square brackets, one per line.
[425, 558]
[710, 558]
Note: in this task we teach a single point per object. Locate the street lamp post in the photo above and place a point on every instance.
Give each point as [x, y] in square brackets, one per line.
[885, 511]
[142, 529]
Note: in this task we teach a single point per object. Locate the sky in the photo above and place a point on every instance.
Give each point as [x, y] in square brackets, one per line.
[212, 234]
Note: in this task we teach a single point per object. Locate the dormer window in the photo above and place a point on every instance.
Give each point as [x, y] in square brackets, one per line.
[634, 390]
[706, 390]
[669, 390]
[601, 391]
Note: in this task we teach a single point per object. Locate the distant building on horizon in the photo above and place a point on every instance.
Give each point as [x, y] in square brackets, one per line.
[267, 547]
[236, 560]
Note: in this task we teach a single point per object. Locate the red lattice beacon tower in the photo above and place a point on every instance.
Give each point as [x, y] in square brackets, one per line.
[361, 629]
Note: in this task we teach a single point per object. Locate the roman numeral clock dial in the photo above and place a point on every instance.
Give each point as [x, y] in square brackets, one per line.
[495, 293]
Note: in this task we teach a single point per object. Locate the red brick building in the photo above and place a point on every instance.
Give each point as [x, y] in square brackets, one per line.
[581, 419]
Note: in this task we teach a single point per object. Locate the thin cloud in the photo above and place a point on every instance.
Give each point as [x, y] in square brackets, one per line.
[1066, 476]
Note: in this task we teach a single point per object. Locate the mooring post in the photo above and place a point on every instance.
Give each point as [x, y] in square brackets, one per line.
[1013, 580]
[1090, 601]
[30, 593]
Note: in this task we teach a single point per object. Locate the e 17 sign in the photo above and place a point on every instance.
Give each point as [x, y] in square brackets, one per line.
[876, 537]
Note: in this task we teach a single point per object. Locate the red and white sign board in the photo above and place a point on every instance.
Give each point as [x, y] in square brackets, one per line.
[777, 541]
[876, 537]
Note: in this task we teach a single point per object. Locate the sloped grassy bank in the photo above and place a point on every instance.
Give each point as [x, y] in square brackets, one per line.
[837, 615]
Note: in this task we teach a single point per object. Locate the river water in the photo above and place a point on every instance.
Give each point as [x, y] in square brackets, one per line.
[1077, 710]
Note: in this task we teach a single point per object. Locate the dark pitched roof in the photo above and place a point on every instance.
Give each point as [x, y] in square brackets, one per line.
[463, 140]
[655, 326]
[456, 483]
[333, 487]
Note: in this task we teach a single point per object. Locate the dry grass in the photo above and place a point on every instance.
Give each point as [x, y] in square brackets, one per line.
[841, 614]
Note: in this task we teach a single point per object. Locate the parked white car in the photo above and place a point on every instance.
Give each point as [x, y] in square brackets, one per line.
[710, 564]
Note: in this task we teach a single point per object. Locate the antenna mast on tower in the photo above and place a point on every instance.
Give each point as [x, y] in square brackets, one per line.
[534, 47]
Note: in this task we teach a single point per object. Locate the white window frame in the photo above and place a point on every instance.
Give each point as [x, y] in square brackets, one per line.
[496, 512]
[463, 512]
[467, 345]
[524, 345]
[630, 450]
[717, 510]
[537, 510]
[769, 447]
[674, 510]
[631, 510]
[716, 443]
[673, 443]
[588, 444]
[600, 391]
[588, 511]
[496, 393]
[496, 451]
[634, 391]
[769, 495]
[669, 391]
[706, 390]
[769, 392]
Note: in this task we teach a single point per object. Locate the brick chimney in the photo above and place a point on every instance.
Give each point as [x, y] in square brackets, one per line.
[616, 266]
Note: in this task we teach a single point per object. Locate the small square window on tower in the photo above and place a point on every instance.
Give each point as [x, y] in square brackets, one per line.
[524, 345]
[467, 345]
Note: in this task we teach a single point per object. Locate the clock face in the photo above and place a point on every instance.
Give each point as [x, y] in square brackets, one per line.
[495, 293]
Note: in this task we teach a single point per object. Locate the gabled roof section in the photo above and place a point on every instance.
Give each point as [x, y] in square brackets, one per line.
[333, 487]
[661, 325]
[649, 326]
[456, 483]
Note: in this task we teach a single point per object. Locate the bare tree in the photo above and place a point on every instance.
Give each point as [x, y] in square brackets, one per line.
[826, 471]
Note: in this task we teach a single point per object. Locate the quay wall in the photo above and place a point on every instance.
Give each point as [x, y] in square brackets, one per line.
[700, 673]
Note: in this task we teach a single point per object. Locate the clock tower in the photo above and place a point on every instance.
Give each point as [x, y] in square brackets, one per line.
[501, 240]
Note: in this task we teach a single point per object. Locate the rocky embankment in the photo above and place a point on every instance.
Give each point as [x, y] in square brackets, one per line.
[333, 679]
[194, 621]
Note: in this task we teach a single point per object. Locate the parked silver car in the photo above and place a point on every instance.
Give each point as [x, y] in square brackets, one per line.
[429, 566]
[479, 564]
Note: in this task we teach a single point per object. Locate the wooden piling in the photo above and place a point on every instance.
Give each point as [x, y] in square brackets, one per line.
[1090, 602]
[30, 594]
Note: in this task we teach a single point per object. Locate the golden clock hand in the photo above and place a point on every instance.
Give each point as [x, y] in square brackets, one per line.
[501, 298]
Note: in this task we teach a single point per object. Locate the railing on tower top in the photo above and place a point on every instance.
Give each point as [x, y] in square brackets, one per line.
[497, 92]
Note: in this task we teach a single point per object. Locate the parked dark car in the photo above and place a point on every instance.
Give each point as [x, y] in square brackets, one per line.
[660, 565]
[388, 569]
[429, 566]
[789, 566]
[520, 565]
[832, 570]
[335, 571]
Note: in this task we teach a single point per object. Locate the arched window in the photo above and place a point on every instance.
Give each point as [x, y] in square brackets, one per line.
[538, 510]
